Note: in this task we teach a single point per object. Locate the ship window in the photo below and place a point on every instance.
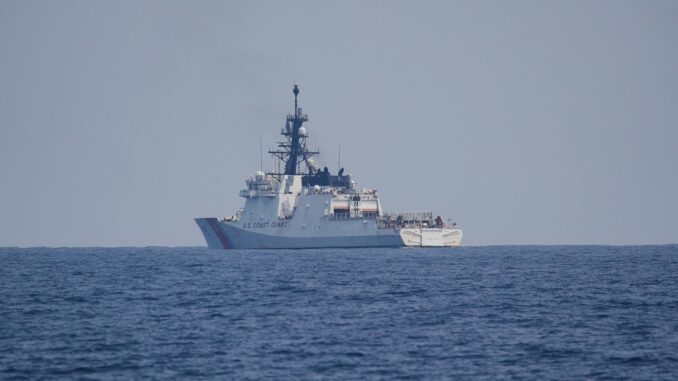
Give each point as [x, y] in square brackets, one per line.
[341, 214]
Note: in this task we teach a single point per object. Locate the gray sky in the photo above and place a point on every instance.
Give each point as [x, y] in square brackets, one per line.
[526, 122]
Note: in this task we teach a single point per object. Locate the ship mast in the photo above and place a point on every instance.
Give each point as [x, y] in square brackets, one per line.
[293, 150]
[297, 121]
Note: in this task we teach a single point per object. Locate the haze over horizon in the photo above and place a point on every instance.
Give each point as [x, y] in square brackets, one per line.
[525, 122]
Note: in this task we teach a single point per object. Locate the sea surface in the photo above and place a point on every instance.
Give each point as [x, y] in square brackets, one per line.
[503, 312]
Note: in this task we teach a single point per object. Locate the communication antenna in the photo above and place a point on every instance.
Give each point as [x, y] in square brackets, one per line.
[296, 93]
[261, 155]
[339, 168]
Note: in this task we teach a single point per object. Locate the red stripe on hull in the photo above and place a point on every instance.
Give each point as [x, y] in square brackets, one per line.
[220, 233]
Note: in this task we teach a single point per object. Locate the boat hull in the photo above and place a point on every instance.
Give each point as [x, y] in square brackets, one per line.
[431, 237]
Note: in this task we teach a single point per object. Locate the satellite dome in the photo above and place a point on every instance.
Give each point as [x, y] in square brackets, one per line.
[303, 132]
[259, 175]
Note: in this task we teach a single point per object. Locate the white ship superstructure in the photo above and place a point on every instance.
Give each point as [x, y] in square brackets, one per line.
[314, 209]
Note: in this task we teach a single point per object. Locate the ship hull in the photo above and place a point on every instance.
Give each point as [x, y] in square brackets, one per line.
[431, 237]
[223, 235]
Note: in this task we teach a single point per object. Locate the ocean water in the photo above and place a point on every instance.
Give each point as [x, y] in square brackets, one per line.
[513, 312]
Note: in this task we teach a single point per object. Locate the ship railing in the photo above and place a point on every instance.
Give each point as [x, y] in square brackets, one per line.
[407, 225]
[346, 216]
[407, 216]
[247, 193]
[397, 220]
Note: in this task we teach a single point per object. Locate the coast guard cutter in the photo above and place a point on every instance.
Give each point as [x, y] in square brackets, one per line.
[307, 207]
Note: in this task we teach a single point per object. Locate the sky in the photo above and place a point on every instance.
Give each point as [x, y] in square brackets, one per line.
[526, 122]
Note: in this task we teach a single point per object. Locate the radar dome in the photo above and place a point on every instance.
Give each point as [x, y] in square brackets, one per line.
[259, 175]
[303, 132]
